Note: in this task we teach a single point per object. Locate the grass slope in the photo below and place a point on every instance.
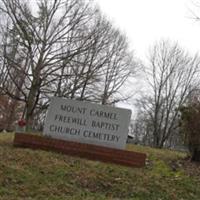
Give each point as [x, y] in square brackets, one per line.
[34, 174]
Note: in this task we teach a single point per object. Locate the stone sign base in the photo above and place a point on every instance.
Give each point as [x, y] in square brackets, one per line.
[93, 152]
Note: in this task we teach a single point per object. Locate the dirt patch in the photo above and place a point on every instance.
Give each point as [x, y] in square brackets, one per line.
[190, 168]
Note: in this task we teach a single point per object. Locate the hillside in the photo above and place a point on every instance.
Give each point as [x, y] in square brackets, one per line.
[34, 174]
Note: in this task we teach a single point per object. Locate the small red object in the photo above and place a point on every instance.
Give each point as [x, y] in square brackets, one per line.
[21, 122]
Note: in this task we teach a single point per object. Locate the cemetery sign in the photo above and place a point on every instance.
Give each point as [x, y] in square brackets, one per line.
[86, 122]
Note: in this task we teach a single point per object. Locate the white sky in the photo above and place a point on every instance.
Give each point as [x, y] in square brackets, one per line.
[146, 21]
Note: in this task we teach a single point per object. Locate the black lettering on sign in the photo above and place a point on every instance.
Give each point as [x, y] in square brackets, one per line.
[103, 114]
[72, 109]
[70, 120]
[105, 125]
[100, 136]
[64, 130]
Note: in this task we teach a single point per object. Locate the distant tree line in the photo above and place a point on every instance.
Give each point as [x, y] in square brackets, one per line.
[172, 78]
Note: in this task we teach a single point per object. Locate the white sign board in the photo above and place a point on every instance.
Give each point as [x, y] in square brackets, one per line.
[87, 123]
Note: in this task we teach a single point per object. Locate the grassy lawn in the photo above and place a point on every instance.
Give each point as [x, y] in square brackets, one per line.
[35, 174]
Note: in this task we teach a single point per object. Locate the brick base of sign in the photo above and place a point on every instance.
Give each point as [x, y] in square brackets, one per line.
[93, 152]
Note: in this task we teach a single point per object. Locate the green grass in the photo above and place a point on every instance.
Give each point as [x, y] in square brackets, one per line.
[35, 174]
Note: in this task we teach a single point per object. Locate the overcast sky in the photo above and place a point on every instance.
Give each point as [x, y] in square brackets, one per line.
[145, 21]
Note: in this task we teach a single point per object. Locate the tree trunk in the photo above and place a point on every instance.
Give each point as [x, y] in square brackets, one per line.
[11, 116]
[31, 103]
[196, 155]
[156, 139]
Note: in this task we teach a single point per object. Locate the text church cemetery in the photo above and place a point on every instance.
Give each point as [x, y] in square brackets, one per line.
[87, 123]
[86, 130]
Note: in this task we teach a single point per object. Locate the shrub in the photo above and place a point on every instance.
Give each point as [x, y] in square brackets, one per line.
[190, 124]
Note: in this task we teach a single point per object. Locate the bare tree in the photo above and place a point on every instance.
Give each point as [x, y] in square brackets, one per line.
[119, 68]
[105, 67]
[62, 48]
[11, 80]
[172, 75]
[48, 40]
